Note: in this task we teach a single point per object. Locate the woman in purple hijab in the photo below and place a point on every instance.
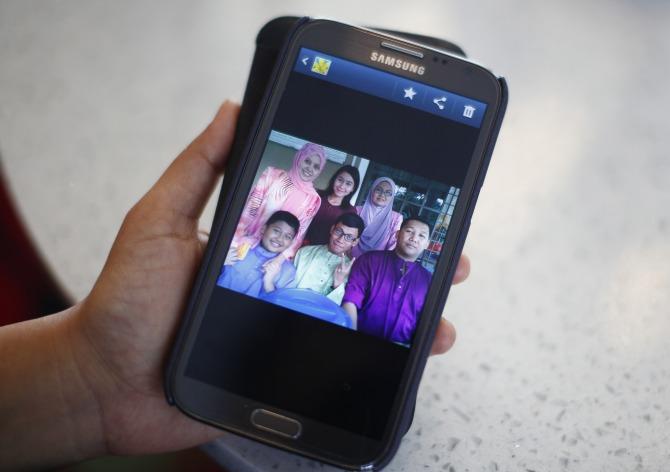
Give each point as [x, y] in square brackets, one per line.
[381, 222]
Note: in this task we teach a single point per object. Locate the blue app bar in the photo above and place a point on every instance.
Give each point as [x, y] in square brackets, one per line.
[390, 87]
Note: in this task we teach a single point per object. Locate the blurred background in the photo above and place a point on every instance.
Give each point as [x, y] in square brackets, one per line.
[562, 355]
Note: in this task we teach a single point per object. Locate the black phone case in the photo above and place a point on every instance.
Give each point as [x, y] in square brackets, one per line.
[270, 45]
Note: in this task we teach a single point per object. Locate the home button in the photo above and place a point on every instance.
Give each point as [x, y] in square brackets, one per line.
[276, 423]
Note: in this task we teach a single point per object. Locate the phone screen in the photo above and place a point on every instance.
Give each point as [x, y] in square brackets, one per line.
[323, 285]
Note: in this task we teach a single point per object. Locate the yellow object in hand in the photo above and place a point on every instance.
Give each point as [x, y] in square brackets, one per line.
[242, 250]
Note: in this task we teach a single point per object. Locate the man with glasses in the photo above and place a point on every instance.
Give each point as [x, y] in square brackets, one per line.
[325, 268]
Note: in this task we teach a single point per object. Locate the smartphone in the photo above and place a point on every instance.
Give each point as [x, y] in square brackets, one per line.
[335, 241]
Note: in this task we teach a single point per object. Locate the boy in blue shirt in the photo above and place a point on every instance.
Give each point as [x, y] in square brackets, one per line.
[263, 269]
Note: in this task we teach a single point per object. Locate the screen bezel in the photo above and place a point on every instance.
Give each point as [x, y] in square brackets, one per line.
[227, 410]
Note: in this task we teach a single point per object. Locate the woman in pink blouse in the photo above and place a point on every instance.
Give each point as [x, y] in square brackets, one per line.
[381, 222]
[278, 189]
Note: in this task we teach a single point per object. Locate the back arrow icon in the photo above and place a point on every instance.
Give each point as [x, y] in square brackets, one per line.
[440, 102]
[304, 60]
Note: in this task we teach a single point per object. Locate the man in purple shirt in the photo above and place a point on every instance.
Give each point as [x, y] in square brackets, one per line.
[387, 289]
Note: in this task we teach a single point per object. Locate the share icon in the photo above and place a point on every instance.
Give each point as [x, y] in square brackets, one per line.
[440, 102]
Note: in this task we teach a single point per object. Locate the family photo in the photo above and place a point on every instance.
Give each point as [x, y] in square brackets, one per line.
[339, 237]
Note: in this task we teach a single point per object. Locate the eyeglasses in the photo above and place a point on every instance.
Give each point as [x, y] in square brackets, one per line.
[347, 237]
[387, 193]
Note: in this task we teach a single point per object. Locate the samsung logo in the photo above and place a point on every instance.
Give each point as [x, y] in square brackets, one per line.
[397, 63]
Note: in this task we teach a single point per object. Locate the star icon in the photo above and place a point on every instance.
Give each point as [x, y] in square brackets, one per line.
[409, 93]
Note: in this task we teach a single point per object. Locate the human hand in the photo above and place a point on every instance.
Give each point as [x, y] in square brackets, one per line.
[127, 322]
[271, 270]
[88, 381]
[342, 271]
[232, 257]
[112, 346]
[445, 337]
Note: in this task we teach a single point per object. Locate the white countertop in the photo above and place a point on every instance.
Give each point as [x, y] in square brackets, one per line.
[562, 358]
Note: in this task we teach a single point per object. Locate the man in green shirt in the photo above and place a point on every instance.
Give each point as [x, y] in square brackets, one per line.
[325, 268]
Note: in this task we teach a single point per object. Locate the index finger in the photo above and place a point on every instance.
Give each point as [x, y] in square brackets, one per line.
[463, 269]
[445, 336]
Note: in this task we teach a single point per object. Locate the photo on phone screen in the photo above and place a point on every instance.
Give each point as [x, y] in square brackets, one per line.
[339, 237]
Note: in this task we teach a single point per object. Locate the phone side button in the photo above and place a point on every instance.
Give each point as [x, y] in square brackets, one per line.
[276, 423]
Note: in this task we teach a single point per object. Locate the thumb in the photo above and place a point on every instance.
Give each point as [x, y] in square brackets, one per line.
[184, 188]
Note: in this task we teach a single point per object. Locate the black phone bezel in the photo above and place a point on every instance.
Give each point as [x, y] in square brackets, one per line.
[228, 411]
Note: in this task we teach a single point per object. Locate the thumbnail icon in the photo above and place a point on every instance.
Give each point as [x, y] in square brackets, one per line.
[321, 65]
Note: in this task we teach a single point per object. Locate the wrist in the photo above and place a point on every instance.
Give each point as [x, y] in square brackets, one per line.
[79, 368]
[45, 402]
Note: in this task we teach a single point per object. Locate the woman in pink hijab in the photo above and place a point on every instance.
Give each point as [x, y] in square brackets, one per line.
[381, 222]
[278, 189]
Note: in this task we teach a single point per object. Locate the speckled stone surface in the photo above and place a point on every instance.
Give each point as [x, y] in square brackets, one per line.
[562, 360]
